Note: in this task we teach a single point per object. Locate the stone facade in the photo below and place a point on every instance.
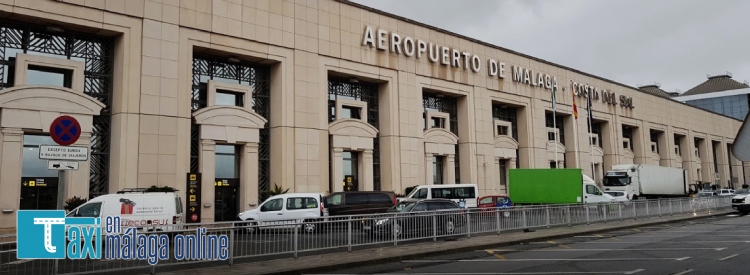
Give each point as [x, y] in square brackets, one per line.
[300, 46]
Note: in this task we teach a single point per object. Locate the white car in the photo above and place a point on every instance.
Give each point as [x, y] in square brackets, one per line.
[286, 211]
[620, 196]
[724, 192]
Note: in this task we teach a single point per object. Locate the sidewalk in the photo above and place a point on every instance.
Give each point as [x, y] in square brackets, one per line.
[330, 261]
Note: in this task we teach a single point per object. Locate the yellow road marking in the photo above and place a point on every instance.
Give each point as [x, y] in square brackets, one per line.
[636, 230]
[552, 242]
[499, 257]
[599, 235]
[616, 239]
[565, 246]
[489, 251]
[408, 268]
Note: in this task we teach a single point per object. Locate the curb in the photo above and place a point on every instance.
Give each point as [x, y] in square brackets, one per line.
[328, 268]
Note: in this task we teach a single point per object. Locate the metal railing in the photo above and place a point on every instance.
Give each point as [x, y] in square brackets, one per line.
[248, 242]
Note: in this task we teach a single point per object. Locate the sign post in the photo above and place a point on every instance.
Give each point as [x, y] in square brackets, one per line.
[193, 198]
[64, 130]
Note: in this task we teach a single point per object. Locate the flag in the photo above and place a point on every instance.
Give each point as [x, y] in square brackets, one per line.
[588, 106]
[575, 107]
[554, 107]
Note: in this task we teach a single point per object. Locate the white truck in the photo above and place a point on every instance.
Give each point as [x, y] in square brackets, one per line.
[647, 181]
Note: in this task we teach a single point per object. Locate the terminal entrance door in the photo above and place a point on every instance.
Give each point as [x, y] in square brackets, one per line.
[38, 184]
[226, 183]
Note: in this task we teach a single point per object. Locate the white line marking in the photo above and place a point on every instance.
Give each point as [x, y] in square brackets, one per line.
[602, 249]
[17, 262]
[628, 242]
[684, 272]
[658, 236]
[527, 273]
[544, 260]
[729, 257]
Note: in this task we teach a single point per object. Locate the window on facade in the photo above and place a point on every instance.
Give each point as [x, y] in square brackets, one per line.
[32, 165]
[227, 162]
[502, 130]
[594, 141]
[596, 128]
[557, 123]
[438, 122]
[655, 141]
[351, 112]
[697, 144]
[449, 105]
[228, 98]
[552, 164]
[437, 170]
[677, 140]
[503, 174]
[507, 113]
[350, 163]
[627, 132]
[40, 75]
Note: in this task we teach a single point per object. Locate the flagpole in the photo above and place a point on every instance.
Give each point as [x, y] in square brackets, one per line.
[591, 145]
[575, 140]
[554, 123]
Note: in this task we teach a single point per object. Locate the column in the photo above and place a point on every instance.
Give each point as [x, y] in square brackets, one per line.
[561, 164]
[428, 168]
[10, 174]
[337, 169]
[208, 174]
[366, 171]
[78, 180]
[511, 163]
[249, 177]
[496, 183]
[449, 171]
[722, 161]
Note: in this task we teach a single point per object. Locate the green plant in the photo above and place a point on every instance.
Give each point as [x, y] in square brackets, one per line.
[73, 203]
[155, 188]
[276, 190]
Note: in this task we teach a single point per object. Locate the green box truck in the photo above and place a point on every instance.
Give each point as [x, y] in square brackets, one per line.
[553, 186]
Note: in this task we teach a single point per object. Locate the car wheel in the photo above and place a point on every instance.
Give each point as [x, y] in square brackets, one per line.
[450, 226]
[309, 227]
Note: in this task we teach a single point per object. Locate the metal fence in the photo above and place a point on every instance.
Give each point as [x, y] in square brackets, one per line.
[346, 233]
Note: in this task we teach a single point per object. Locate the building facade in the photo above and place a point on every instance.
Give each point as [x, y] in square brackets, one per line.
[313, 96]
[720, 94]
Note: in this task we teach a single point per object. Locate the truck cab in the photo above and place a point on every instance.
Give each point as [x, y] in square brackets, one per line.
[592, 193]
[621, 178]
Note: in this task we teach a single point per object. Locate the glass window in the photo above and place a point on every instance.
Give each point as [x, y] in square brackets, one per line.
[434, 206]
[33, 166]
[227, 98]
[442, 193]
[351, 112]
[592, 190]
[356, 198]
[91, 210]
[421, 194]
[379, 198]
[437, 170]
[350, 163]
[334, 200]
[419, 207]
[301, 203]
[438, 122]
[464, 193]
[39, 75]
[449, 205]
[485, 200]
[272, 205]
[227, 162]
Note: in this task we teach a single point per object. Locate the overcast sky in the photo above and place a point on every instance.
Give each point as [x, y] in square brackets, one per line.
[673, 42]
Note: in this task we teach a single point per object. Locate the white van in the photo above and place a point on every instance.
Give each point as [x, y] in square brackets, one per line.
[286, 210]
[146, 211]
[465, 195]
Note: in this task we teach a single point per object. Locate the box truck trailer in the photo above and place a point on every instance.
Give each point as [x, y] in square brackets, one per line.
[647, 181]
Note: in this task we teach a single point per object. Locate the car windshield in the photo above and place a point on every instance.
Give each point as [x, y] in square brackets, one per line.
[616, 181]
[615, 194]
[402, 207]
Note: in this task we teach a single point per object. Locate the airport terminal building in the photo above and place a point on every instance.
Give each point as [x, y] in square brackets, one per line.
[310, 95]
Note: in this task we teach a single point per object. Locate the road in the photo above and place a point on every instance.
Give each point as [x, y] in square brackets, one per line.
[717, 245]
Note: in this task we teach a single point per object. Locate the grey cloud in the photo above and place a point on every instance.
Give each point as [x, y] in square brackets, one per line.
[674, 42]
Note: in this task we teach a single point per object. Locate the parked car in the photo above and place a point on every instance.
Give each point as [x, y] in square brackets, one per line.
[286, 211]
[411, 216]
[465, 195]
[492, 203]
[358, 203]
[724, 192]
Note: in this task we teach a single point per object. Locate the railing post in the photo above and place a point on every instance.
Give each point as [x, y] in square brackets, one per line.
[395, 237]
[604, 213]
[55, 272]
[153, 269]
[468, 223]
[587, 215]
[349, 233]
[635, 210]
[671, 212]
[296, 240]
[547, 210]
[497, 219]
[619, 210]
[648, 214]
[658, 204]
[523, 218]
[570, 219]
[682, 208]
[434, 228]
[231, 246]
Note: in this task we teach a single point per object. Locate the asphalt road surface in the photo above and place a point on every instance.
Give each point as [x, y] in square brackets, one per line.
[716, 245]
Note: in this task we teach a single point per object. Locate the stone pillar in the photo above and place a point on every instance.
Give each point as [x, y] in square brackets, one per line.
[337, 174]
[449, 172]
[428, 168]
[561, 164]
[723, 165]
[366, 172]
[208, 172]
[511, 163]
[78, 180]
[11, 158]
[249, 177]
